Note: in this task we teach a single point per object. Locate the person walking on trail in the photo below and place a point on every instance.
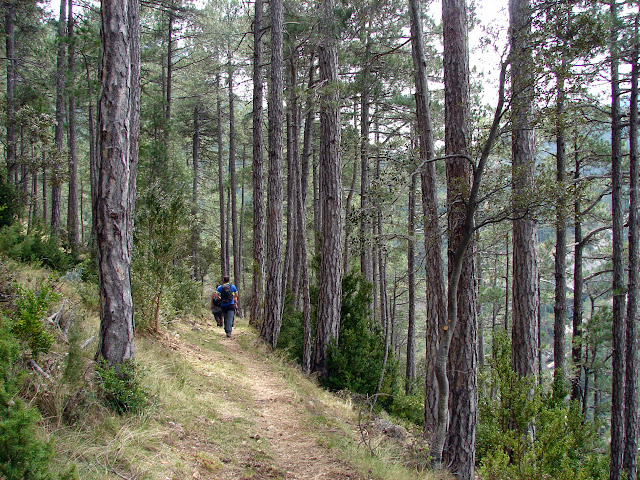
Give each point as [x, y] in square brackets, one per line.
[228, 302]
[215, 307]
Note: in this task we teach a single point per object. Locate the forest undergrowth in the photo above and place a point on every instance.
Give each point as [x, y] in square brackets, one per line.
[205, 406]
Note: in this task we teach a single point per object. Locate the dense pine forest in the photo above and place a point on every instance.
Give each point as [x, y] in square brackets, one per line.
[428, 207]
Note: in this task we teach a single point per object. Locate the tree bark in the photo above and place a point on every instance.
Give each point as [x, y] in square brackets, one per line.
[56, 177]
[73, 224]
[273, 308]
[619, 290]
[118, 125]
[577, 338]
[330, 275]
[410, 374]
[630, 461]
[560, 305]
[235, 236]
[9, 28]
[257, 287]
[366, 263]
[435, 282]
[524, 335]
[463, 399]
[224, 259]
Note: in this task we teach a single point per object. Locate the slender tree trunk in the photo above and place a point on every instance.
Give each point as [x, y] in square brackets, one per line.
[463, 399]
[560, 305]
[235, 236]
[224, 259]
[56, 177]
[291, 279]
[273, 308]
[330, 275]
[118, 120]
[524, 338]
[630, 462]
[577, 338]
[258, 284]
[195, 154]
[435, 282]
[93, 156]
[169, 85]
[9, 29]
[73, 225]
[366, 265]
[619, 287]
[411, 280]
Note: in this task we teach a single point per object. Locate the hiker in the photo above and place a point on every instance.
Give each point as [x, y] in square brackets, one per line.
[228, 302]
[215, 307]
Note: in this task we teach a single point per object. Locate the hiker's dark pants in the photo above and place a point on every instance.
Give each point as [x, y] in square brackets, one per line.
[228, 320]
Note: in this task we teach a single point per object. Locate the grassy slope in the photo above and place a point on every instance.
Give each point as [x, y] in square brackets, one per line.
[205, 421]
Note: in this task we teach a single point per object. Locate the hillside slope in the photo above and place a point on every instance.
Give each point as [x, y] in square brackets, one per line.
[226, 408]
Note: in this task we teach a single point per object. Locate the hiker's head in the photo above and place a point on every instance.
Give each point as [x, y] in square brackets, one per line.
[225, 279]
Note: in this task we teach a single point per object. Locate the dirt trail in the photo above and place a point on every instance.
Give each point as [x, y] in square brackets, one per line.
[295, 454]
[281, 424]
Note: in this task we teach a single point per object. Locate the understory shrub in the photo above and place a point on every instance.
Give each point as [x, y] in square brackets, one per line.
[24, 455]
[526, 434]
[122, 389]
[31, 308]
[37, 246]
[355, 361]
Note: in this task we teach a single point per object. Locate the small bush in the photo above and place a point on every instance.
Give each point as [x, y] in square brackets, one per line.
[28, 319]
[355, 362]
[36, 247]
[565, 446]
[23, 455]
[121, 387]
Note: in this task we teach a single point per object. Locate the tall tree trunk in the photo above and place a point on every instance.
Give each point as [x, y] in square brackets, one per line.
[9, 29]
[273, 308]
[524, 336]
[119, 121]
[560, 305]
[463, 375]
[411, 287]
[258, 285]
[577, 338]
[366, 264]
[93, 156]
[169, 84]
[630, 462]
[224, 259]
[291, 278]
[330, 275]
[195, 231]
[435, 283]
[235, 236]
[619, 287]
[56, 177]
[73, 225]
